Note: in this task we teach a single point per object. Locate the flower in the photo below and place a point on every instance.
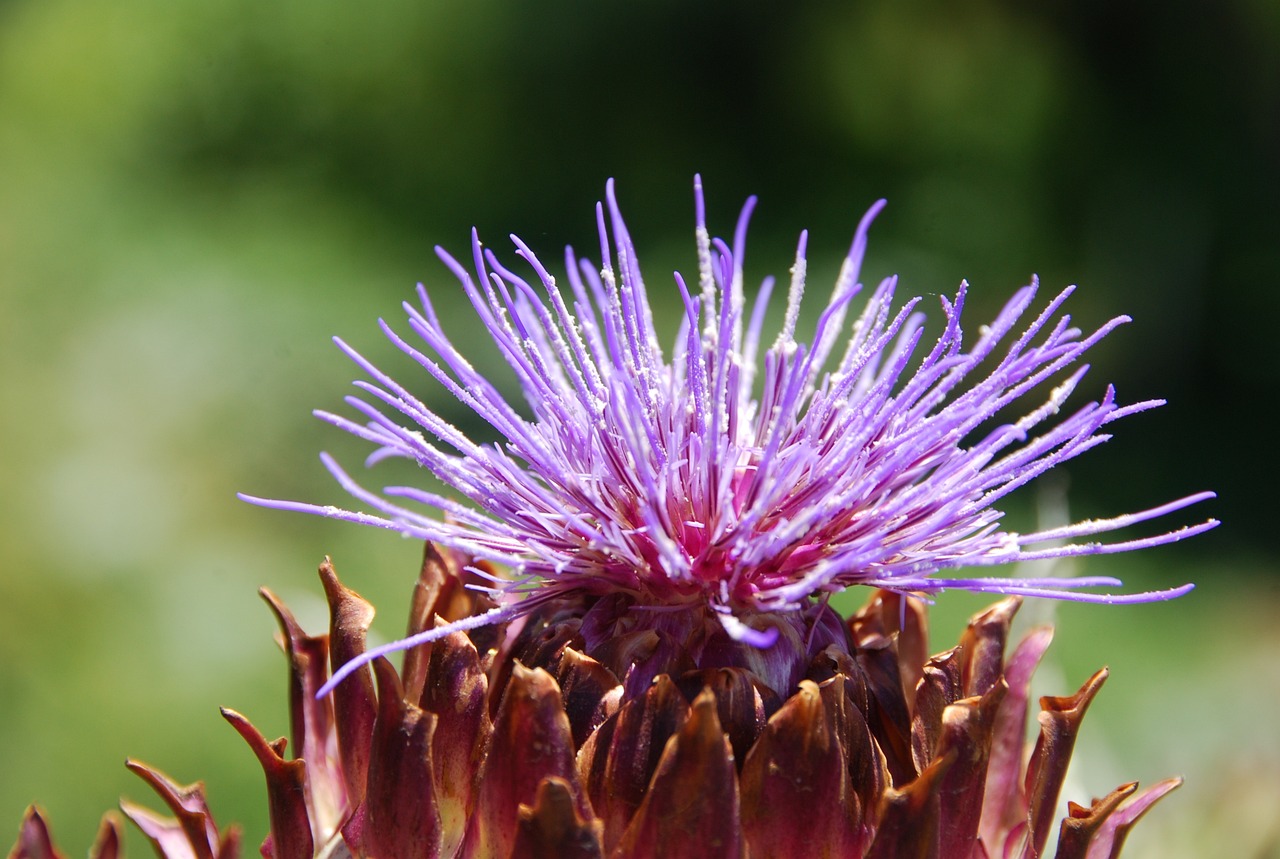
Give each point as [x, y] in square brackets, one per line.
[624, 645]
[673, 495]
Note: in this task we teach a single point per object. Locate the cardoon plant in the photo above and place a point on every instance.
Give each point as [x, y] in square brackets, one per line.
[621, 641]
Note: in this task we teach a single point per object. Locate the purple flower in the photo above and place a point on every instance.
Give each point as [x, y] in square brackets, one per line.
[712, 481]
[659, 672]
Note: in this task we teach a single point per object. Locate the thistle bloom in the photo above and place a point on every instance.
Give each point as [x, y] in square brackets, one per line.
[670, 493]
[624, 646]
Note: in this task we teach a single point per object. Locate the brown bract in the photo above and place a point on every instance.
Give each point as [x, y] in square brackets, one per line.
[535, 740]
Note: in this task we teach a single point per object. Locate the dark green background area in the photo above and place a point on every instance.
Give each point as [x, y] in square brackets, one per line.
[194, 197]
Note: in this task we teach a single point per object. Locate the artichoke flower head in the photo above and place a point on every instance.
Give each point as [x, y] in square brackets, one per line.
[621, 642]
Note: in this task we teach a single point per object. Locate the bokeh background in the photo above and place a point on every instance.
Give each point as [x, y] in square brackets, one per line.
[195, 196]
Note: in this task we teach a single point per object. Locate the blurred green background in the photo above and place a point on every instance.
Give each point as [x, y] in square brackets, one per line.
[195, 196]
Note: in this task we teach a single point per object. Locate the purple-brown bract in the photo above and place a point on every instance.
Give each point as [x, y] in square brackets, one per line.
[686, 485]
